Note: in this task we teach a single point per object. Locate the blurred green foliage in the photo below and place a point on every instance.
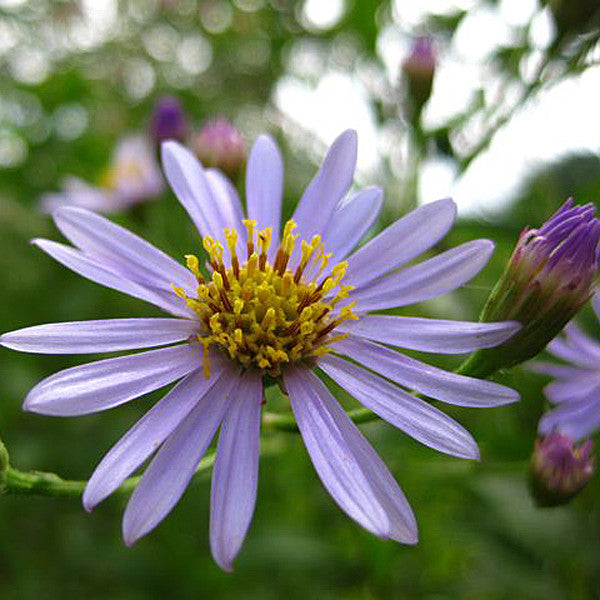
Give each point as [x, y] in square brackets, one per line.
[66, 97]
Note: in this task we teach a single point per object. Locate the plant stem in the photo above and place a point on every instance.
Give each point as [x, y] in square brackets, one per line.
[49, 484]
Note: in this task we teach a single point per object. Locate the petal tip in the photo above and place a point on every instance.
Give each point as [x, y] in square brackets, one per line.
[410, 537]
[130, 535]
[449, 202]
[66, 209]
[486, 246]
[224, 564]
[347, 137]
[474, 453]
[30, 406]
[171, 150]
[87, 502]
[169, 146]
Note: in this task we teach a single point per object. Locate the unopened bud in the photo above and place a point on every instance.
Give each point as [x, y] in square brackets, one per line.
[169, 121]
[418, 70]
[559, 470]
[551, 274]
[219, 144]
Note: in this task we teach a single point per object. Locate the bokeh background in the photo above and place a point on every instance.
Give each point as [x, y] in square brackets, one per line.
[510, 131]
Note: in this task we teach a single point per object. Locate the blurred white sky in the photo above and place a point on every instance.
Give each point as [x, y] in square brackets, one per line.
[328, 85]
[558, 122]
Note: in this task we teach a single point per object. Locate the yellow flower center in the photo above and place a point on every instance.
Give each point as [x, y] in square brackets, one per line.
[265, 315]
[130, 170]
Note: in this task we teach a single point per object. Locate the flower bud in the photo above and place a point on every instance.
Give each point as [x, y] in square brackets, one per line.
[551, 274]
[169, 121]
[219, 144]
[418, 70]
[559, 470]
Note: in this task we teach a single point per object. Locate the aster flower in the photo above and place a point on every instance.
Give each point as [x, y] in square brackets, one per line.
[286, 303]
[132, 177]
[551, 274]
[576, 391]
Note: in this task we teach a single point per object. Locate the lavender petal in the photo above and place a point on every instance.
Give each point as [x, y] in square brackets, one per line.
[121, 251]
[264, 186]
[235, 474]
[400, 242]
[579, 341]
[149, 433]
[95, 271]
[327, 187]
[424, 281]
[351, 221]
[171, 469]
[106, 335]
[106, 383]
[576, 420]
[412, 415]
[562, 348]
[227, 202]
[187, 179]
[77, 192]
[556, 370]
[430, 335]
[349, 468]
[421, 377]
[572, 390]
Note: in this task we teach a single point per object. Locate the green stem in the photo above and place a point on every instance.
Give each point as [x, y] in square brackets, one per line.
[535, 85]
[286, 421]
[49, 484]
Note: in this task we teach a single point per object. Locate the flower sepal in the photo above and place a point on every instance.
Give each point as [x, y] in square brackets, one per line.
[551, 274]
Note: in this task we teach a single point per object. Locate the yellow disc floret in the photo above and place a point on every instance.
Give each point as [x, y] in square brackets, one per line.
[265, 315]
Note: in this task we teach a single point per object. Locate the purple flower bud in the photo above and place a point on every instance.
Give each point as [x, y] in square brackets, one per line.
[418, 70]
[551, 274]
[559, 470]
[219, 144]
[169, 121]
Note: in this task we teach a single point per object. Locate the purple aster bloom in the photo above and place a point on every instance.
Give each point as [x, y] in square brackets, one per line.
[220, 145]
[133, 177]
[271, 302]
[576, 391]
[551, 274]
[169, 121]
[560, 470]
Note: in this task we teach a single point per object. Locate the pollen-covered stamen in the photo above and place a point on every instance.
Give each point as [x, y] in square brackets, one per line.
[286, 247]
[193, 265]
[232, 237]
[264, 315]
[250, 225]
[264, 240]
[308, 251]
